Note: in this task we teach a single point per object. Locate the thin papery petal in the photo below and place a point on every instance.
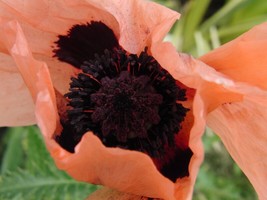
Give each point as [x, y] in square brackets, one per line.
[135, 23]
[48, 19]
[60, 73]
[212, 90]
[196, 74]
[34, 73]
[242, 125]
[243, 59]
[139, 21]
[178, 67]
[128, 171]
[42, 22]
[91, 162]
[184, 187]
[242, 128]
[17, 107]
[237, 113]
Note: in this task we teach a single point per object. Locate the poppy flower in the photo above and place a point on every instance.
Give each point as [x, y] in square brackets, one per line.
[115, 104]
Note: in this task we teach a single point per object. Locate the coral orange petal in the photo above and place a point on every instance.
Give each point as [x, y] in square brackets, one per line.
[242, 125]
[181, 70]
[243, 59]
[242, 128]
[17, 107]
[140, 22]
[135, 23]
[48, 19]
[212, 90]
[35, 74]
[128, 171]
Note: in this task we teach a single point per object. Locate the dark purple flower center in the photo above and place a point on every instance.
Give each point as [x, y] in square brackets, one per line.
[127, 100]
[126, 106]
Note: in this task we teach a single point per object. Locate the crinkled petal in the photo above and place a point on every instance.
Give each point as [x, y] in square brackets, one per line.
[127, 171]
[242, 128]
[31, 70]
[242, 125]
[184, 187]
[176, 65]
[124, 170]
[139, 21]
[43, 20]
[17, 107]
[212, 90]
[195, 74]
[243, 59]
[135, 22]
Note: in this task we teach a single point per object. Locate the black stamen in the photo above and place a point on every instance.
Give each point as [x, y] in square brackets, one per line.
[127, 100]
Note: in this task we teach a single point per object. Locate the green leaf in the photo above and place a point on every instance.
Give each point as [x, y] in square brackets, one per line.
[13, 154]
[37, 155]
[38, 178]
[222, 15]
[31, 187]
[251, 9]
[193, 17]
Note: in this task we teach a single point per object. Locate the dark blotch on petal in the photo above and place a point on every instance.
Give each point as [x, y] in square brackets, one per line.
[84, 41]
[178, 165]
[69, 141]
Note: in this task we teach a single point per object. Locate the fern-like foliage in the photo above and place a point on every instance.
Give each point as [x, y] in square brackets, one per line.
[37, 178]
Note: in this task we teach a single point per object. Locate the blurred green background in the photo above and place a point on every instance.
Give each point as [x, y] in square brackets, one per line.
[27, 172]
